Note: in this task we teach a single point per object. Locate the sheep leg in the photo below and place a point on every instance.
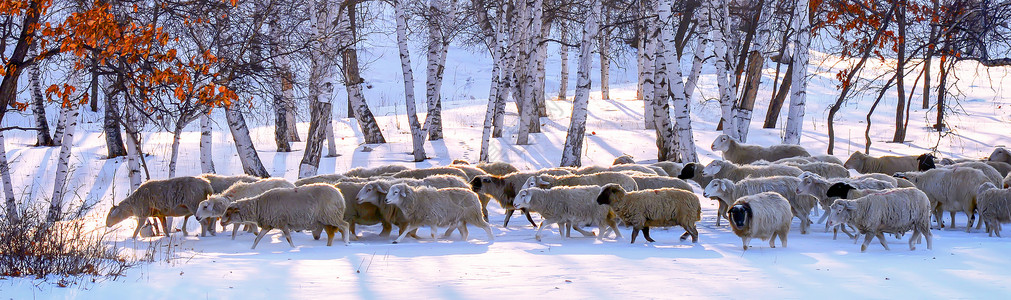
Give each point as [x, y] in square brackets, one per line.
[487, 229]
[140, 224]
[635, 234]
[822, 220]
[287, 236]
[235, 230]
[867, 241]
[745, 241]
[772, 239]
[463, 230]
[449, 231]
[782, 236]
[881, 238]
[508, 215]
[690, 230]
[484, 199]
[614, 226]
[537, 235]
[186, 220]
[263, 232]
[526, 212]
[568, 229]
[387, 227]
[721, 212]
[404, 232]
[329, 234]
[972, 219]
[433, 230]
[560, 231]
[645, 234]
[952, 213]
[997, 230]
[584, 232]
[164, 225]
[913, 239]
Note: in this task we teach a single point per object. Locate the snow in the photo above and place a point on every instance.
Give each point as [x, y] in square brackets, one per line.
[961, 265]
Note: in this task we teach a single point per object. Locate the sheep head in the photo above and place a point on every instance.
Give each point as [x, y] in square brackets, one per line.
[740, 215]
[610, 194]
[712, 168]
[117, 214]
[523, 199]
[808, 182]
[460, 162]
[839, 190]
[1000, 154]
[840, 211]
[985, 186]
[206, 208]
[722, 143]
[371, 193]
[398, 192]
[856, 161]
[718, 188]
[233, 215]
[925, 162]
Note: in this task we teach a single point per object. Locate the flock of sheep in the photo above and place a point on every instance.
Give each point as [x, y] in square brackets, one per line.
[760, 190]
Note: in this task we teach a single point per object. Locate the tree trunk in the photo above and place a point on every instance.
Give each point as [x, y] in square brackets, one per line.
[206, 160]
[281, 127]
[42, 137]
[353, 83]
[867, 129]
[666, 150]
[680, 137]
[702, 17]
[900, 65]
[528, 112]
[563, 82]
[244, 144]
[647, 64]
[282, 138]
[113, 138]
[489, 115]
[94, 84]
[319, 117]
[437, 50]
[605, 62]
[13, 213]
[931, 45]
[174, 156]
[756, 62]
[724, 70]
[320, 89]
[63, 164]
[573, 149]
[541, 55]
[61, 126]
[776, 105]
[798, 98]
[417, 136]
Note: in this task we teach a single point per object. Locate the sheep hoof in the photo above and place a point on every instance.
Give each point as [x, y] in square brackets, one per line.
[394, 242]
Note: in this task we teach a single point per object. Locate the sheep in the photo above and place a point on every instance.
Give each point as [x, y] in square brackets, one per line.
[891, 211]
[375, 171]
[994, 206]
[460, 162]
[654, 207]
[744, 153]
[925, 162]
[658, 170]
[1000, 154]
[426, 206]
[497, 168]
[726, 191]
[216, 204]
[1002, 167]
[567, 205]
[173, 197]
[669, 167]
[694, 172]
[325, 178]
[817, 186]
[823, 169]
[369, 207]
[308, 207]
[987, 170]
[623, 159]
[422, 173]
[470, 171]
[221, 183]
[809, 159]
[843, 190]
[949, 190]
[505, 188]
[886, 164]
[764, 216]
[734, 172]
[660, 182]
[633, 168]
[598, 179]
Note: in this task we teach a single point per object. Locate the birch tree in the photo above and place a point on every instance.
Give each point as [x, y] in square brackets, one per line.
[701, 17]
[645, 62]
[110, 122]
[320, 86]
[492, 36]
[725, 79]
[563, 56]
[605, 59]
[529, 115]
[417, 136]
[244, 144]
[680, 135]
[573, 149]
[352, 77]
[282, 137]
[756, 62]
[206, 144]
[439, 20]
[666, 150]
[66, 145]
[11, 204]
[42, 137]
[798, 89]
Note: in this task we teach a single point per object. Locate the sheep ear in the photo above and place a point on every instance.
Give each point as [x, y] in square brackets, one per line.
[381, 189]
[849, 205]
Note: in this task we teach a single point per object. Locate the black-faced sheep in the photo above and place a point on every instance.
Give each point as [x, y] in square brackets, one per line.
[763, 216]
[308, 207]
[727, 170]
[422, 173]
[693, 171]
[953, 190]
[654, 207]
[426, 206]
[173, 197]
[994, 207]
[215, 205]
[885, 164]
[891, 211]
[370, 206]
[743, 153]
[375, 171]
[817, 186]
[727, 191]
[573, 205]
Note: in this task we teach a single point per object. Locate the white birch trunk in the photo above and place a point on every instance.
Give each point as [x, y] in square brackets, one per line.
[320, 88]
[174, 156]
[572, 151]
[244, 144]
[759, 45]
[666, 150]
[682, 135]
[63, 164]
[331, 143]
[798, 93]
[13, 213]
[528, 115]
[540, 56]
[563, 83]
[417, 136]
[506, 63]
[61, 126]
[42, 136]
[646, 65]
[605, 63]
[435, 66]
[702, 18]
[724, 71]
[206, 159]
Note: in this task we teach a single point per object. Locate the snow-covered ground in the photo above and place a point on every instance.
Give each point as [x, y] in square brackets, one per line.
[961, 265]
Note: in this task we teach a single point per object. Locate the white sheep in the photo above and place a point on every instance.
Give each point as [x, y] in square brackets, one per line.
[809, 159]
[994, 206]
[216, 204]
[173, 197]
[953, 190]
[890, 211]
[220, 183]
[623, 159]
[728, 170]
[763, 216]
[308, 207]
[470, 171]
[573, 205]
[817, 186]
[370, 207]
[727, 191]
[659, 182]
[597, 179]
[422, 173]
[669, 167]
[987, 170]
[1002, 167]
[497, 168]
[426, 206]
[375, 171]
[325, 178]
[504, 189]
[744, 153]
[1000, 154]
[823, 169]
[654, 207]
[886, 164]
